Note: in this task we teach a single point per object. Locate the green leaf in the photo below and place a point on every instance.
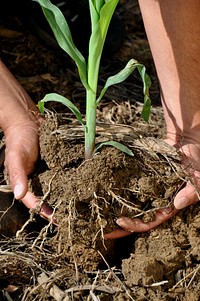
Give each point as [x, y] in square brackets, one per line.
[63, 36]
[101, 13]
[99, 5]
[146, 86]
[122, 75]
[117, 145]
[41, 106]
[94, 16]
[106, 14]
[146, 108]
[119, 77]
[61, 99]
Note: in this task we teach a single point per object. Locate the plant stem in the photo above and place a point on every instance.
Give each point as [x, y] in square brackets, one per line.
[91, 105]
[90, 124]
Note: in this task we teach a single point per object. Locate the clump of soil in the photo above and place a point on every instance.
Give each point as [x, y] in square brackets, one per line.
[87, 197]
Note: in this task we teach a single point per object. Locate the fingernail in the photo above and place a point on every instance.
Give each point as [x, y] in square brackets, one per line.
[18, 191]
[181, 203]
[124, 222]
[120, 222]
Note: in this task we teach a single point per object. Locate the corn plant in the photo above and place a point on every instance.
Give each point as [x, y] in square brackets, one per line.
[101, 12]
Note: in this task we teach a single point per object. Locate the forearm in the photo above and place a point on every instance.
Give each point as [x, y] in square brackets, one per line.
[16, 105]
[173, 31]
[173, 28]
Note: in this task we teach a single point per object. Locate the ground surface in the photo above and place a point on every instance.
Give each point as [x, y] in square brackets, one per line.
[72, 261]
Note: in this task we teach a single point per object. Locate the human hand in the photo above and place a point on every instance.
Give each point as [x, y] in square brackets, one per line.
[188, 195]
[21, 153]
[20, 121]
[22, 148]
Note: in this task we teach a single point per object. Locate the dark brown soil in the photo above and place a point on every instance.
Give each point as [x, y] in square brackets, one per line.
[72, 261]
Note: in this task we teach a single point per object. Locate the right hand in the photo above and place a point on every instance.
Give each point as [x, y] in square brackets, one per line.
[188, 195]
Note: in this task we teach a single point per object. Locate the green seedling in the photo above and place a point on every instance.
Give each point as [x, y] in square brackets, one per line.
[101, 12]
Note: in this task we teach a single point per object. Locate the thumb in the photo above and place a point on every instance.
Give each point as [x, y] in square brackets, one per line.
[187, 196]
[17, 175]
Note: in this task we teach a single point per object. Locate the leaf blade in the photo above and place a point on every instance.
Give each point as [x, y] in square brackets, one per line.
[101, 13]
[63, 36]
[123, 75]
[65, 101]
[117, 145]
[118, 77]
[146, 86]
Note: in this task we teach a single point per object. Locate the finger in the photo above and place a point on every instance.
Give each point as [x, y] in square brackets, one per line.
[30, 200]
[137, 225]
[186, 196]
[18, 182]
[46, 211]
[117, 233]
[17, 174]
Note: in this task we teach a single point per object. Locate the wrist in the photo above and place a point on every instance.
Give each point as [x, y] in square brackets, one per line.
[181, 138]
[16, 105]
